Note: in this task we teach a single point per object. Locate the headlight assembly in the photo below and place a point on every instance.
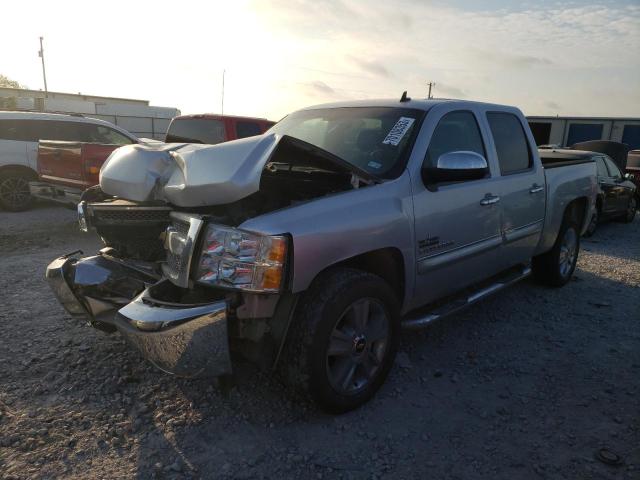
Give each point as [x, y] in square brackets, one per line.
[234, 258]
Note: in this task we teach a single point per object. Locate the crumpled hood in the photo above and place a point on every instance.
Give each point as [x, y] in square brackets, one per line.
[188, 175]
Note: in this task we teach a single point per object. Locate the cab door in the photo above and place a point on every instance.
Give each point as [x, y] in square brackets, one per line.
[521, 188]
[457, 224]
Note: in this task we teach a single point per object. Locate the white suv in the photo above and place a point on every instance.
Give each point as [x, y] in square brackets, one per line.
[19, 136]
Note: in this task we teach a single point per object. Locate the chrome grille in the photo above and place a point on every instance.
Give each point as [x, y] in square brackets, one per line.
[116, 216]
[180, 240]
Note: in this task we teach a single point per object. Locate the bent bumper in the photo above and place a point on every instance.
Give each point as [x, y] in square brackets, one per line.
[185, 340]
[55, 193]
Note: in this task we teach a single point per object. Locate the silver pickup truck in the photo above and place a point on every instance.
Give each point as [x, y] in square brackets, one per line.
[308, 248]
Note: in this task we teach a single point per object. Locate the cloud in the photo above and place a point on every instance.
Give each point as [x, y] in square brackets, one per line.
[318, 89]
[375, 68]
[512, 60]
[448, 91]
[552, 105]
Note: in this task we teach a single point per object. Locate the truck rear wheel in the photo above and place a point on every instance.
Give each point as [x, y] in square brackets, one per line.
[343, 339]
[14, 191]
[555, 267]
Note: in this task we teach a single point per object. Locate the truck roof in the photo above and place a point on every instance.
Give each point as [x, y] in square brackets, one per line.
[417, 103]
[218, 117]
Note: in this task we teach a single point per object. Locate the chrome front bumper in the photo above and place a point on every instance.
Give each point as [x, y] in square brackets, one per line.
[182, 339]
[55, 193]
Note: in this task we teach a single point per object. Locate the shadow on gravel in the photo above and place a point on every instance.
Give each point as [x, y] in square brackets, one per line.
[540, 378]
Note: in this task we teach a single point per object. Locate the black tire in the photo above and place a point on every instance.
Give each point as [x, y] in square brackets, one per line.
[550, 268]
[14, 190]
[322, 317]
[593, 223]
[631, 210]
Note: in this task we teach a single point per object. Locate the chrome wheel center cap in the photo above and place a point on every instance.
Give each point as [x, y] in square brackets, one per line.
[359, 344]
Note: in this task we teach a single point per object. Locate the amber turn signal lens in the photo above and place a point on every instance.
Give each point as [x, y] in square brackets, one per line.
[278, 250]
[271, 278]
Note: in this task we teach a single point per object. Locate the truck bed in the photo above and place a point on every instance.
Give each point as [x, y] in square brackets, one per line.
[566, 179]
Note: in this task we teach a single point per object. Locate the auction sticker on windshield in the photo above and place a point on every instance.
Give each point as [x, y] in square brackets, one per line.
[398, 131]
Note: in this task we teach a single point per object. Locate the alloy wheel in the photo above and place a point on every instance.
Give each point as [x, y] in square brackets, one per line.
[568, 251]
[357, 346]
[14, 192]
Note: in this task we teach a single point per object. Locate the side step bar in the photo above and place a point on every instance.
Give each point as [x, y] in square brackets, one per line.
[423, 317]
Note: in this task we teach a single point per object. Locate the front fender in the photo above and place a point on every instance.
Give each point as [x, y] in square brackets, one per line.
[337, 227]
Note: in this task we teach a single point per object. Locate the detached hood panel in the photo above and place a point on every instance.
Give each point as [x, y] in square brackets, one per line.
[188, 175]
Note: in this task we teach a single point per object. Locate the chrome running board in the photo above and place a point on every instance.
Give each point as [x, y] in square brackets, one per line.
[423, 317]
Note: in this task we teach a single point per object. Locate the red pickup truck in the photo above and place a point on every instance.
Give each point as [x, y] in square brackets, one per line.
[211, 129]
[66, 169]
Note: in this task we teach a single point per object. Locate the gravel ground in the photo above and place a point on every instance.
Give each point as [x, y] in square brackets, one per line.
[528, 384]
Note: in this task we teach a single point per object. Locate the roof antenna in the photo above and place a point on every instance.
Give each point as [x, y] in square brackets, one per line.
[404, 97]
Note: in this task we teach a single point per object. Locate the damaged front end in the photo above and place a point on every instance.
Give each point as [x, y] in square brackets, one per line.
[179, 278]
[180, 337]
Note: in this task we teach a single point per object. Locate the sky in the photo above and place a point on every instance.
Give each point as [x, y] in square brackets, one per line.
[546, 57]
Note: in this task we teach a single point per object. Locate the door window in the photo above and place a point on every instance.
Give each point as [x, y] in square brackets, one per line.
[247, 129]
[456, 131]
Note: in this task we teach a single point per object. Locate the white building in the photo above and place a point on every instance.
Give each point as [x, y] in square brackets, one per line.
[565, 131]
[136, 116]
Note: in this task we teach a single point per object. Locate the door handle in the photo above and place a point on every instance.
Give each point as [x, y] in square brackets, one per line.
[489, 199]
[535, 188]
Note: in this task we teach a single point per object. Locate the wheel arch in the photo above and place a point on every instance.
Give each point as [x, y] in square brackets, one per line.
[387, 263]
[579, 211]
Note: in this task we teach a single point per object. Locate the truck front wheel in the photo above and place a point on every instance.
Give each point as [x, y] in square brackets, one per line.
[555, 267]
[343, 339]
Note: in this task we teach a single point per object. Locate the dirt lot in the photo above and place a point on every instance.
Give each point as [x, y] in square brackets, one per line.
[527, 384]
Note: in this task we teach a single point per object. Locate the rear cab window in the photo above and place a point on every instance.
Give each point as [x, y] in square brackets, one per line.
[602, 168]
[196, 130]
[512, 147]
[246, 129]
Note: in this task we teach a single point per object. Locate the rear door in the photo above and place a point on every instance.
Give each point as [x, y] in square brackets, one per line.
[521, 188]
[457, 232]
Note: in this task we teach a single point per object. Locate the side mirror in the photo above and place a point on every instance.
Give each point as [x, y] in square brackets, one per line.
[455, 167]
[629, 176]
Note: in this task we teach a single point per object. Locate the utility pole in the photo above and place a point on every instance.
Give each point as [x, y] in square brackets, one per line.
[44, 73]
[431, 84]
[222, 108]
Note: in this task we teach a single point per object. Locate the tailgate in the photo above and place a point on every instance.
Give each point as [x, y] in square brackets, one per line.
[72, 164]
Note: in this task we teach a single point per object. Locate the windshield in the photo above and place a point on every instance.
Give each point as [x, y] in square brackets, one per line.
[376, 139]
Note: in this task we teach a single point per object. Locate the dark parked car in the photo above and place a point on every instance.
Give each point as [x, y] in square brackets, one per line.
[633, 167]
[617, 194]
